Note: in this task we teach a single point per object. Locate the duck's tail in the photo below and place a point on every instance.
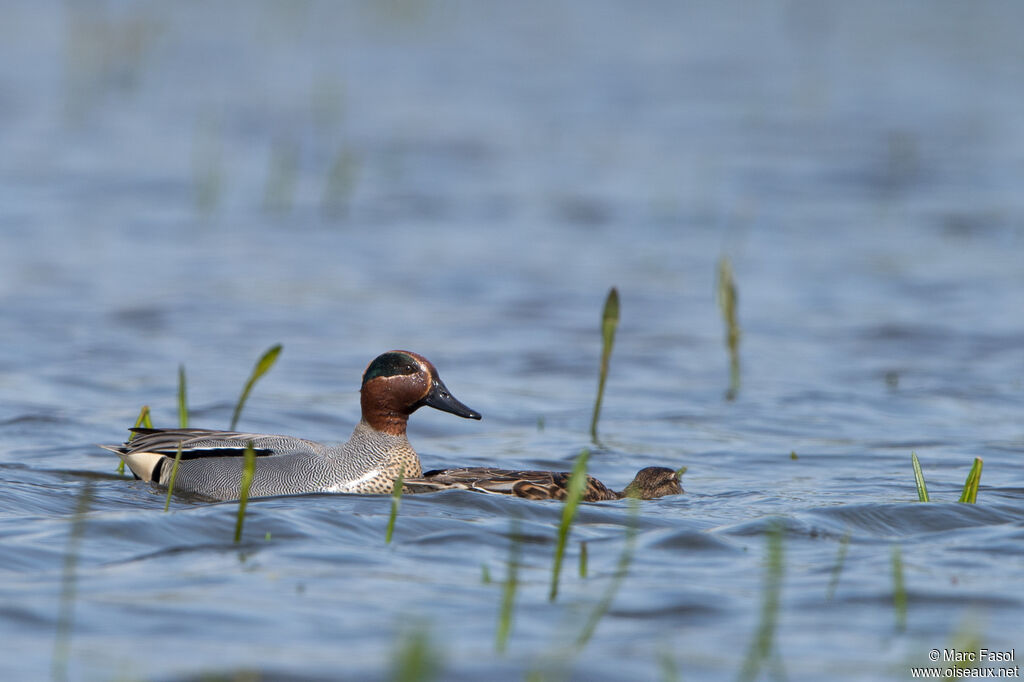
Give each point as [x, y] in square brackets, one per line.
[144, 465]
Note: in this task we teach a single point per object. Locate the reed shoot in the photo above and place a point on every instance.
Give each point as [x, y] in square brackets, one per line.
[970, 493]
[65, 617]
[577, 484]
[762, 647]
[583, 559]
[727, 301]
[396, 501]
[922, 491]
[248, 470]
[174, 477]
[182, 402]
[609, 323]
[143, 420]
[508, 591]
[263, 366]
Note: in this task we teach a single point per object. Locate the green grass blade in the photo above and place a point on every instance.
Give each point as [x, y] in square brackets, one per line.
[728, 299]
[609, 323]
[899, 590]
[396, 501]
[143, 420]
[508, 591]
[583, 559]
[970, 493]
[577, 484]
[174, 477]
[417, 658]
[248, 471]
[621, 569]
[65, 616]
[182, 402]
[922, 491]
[762, 646]
[263, 365]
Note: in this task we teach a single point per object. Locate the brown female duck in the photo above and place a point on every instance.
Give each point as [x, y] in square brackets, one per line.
[649, 483]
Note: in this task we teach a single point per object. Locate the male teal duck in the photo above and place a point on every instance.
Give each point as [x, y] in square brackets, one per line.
[394, 386]
[649, 483]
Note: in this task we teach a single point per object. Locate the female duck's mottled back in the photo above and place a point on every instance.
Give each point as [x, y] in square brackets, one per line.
[650, 483]
[395, 385]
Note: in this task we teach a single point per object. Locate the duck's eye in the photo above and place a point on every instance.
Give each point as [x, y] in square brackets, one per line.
[409, 369]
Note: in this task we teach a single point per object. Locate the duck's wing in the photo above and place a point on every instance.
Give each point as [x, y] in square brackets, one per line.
[196, 443]
[532, 485]
[145, 453]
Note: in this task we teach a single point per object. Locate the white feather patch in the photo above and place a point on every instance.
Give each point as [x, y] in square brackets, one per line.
[350, 486]
[143, 464]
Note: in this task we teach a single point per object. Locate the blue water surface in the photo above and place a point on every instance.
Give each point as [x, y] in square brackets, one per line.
[190, 183]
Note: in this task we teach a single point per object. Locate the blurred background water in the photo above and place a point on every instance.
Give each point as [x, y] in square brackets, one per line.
[192, 183]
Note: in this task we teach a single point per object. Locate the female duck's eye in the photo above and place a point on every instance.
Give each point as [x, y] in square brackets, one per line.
[409, 369]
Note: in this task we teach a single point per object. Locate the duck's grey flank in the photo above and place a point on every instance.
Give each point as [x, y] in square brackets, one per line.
[395, 385]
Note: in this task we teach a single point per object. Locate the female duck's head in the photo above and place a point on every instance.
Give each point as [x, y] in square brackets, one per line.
[398, 383]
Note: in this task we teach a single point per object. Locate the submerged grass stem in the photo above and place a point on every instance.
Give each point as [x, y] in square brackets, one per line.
[508, 590]
[621, 569]
[762, 647]
[65, 617]
[833, 582]
[899, 590]
[248, 470]
[396, 501]
[173, 478]
[417, 659]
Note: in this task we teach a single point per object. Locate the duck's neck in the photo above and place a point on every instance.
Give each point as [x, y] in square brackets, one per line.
[368, 443]
[380, 417]
[391, 424]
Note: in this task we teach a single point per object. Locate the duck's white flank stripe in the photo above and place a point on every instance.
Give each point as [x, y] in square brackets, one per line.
[349, 486]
